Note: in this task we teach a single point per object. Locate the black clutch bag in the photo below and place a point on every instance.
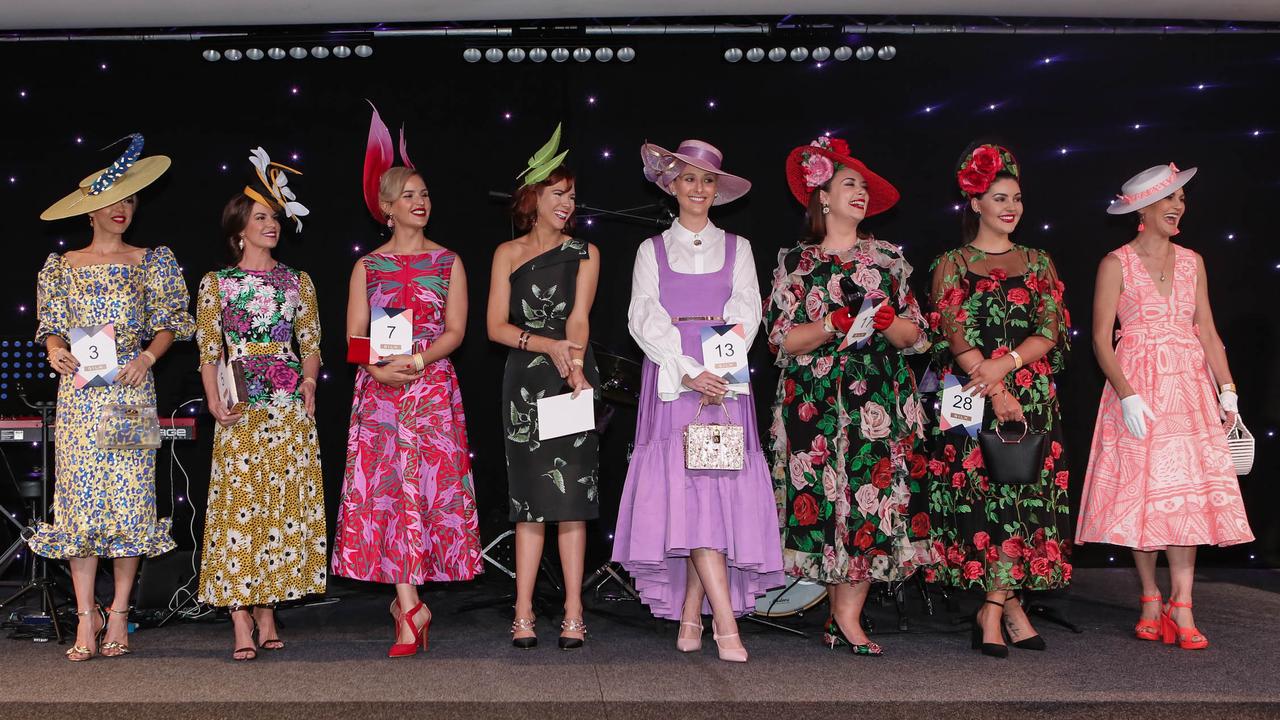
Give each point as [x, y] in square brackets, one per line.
[1012, 460]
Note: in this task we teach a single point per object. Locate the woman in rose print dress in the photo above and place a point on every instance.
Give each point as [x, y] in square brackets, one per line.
[1001, 323]
[847, 423]
[408, 512]
[264, 531]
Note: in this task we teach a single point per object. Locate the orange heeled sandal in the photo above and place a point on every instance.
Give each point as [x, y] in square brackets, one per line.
[1187, 638]
[1148, 629]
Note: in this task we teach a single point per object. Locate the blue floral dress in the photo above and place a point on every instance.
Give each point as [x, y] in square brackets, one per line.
[104, 501]
[264, 531]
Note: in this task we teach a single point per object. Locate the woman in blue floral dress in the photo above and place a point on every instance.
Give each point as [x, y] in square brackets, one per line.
[264, 532]
[104, 501]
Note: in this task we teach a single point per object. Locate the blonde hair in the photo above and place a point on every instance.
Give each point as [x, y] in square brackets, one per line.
[393, 181]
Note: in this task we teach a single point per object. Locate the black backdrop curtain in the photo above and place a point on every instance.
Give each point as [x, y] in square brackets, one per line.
[1082, 115]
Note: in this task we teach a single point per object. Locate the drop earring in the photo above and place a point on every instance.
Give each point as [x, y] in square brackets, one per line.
[1142, 224]
[240, 242]
[391, 222]
[826, 209]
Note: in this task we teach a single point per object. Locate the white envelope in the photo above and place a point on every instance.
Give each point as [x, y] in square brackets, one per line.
[561, 415]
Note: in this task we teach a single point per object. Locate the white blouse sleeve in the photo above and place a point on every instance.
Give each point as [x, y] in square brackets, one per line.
[651, 326]
[744, 305]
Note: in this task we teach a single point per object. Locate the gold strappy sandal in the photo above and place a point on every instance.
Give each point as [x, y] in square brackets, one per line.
[80, 653]
[115, 649]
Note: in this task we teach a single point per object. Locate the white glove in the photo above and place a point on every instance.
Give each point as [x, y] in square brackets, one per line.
[1136, 414]
[1229, 402]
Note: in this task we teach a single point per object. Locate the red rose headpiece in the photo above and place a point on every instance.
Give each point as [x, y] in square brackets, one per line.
[979, 170]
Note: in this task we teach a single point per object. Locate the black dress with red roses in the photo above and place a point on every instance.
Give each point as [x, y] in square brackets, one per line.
[847, 430]
[993, 536]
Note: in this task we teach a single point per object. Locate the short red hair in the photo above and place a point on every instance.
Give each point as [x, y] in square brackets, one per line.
[524, 204]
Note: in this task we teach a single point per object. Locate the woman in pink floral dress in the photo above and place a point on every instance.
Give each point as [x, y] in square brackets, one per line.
[408, 512]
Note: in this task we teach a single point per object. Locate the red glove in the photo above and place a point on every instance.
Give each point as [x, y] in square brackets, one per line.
[841, 320]
[884, 317]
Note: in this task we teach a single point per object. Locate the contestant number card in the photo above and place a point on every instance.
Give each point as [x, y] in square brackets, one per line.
[863, 323]
[961, 412]
[724, 353]
[561, 415]
[390, 332]
[95, 348]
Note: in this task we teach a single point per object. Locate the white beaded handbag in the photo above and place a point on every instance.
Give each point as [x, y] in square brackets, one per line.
[713, 446]
[1240, 441]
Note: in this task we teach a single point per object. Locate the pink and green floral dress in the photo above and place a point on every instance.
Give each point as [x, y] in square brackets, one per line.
[264, 532]
[847, 424]
[993, 536]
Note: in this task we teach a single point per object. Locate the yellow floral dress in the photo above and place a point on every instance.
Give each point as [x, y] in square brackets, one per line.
[264, 531]
[104, 501]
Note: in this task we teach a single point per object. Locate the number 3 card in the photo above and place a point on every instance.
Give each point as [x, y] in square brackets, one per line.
[95, 348]
[390, 332]
[961, 412]
[724, 353]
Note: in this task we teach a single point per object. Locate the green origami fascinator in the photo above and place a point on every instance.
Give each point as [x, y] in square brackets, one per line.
[544, 161]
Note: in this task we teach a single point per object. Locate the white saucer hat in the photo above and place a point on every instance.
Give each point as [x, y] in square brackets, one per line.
[1148, 187]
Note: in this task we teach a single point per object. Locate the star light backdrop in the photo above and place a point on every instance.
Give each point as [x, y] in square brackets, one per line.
[1082, 114]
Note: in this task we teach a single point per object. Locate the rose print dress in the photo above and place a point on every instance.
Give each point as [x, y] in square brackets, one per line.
[104, 501]
[547, 480]
[264, 530]
[994, 536]
[847, 424]
[408, 512]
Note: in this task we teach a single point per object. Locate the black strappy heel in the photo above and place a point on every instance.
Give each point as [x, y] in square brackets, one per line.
[998, 650]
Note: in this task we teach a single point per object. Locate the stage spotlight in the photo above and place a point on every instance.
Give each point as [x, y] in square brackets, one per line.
[560, 54]
[255, 54]
[342, 52]
[233, 55]
[733, 55]
[276, 53]
[866, 52]
[888, 52]
[581, 54]
[319, 52]
[493, 55]
[626, 54]
[363, 51]
[538, 54]
[843, 53]
[472, 55]
[297, 53]
[211, 55]
[777, 54]
[821, 53]
[799, 54]
[515, 54]
[755, 54]
[604, 54]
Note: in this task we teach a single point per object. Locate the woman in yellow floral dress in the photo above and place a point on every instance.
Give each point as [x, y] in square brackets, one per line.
[264, 532]
[104, 502]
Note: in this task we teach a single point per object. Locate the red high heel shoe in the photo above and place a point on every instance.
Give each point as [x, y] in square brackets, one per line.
[419, 634]
[1187, 638]
[1148, 629]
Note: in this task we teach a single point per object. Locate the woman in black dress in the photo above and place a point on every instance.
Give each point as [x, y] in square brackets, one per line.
[540, 296]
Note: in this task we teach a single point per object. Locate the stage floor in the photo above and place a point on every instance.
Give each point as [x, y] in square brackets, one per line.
[335, 666]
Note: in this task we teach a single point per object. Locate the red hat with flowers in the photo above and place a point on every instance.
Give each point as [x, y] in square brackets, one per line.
[979, 168]
[811, 166]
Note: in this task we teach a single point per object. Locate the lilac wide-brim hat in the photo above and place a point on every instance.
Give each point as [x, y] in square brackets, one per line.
[661, 166]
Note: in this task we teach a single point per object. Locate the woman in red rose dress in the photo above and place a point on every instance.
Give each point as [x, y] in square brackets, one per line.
[847, 423]
[1000, 324]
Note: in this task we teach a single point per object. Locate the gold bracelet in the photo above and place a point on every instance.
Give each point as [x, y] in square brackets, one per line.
[577, 361]
[148, 354]
[308, 379]
[1017, 359]
[1227, 387]
[418, 363]
[827, 327]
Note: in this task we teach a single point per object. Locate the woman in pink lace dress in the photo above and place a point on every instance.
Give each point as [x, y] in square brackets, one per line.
[408, 511]
[1160, 475]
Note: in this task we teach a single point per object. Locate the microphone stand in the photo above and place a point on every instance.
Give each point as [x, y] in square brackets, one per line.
[39, 580]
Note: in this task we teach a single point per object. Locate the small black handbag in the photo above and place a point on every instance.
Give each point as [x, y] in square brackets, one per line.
[1013, 460]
